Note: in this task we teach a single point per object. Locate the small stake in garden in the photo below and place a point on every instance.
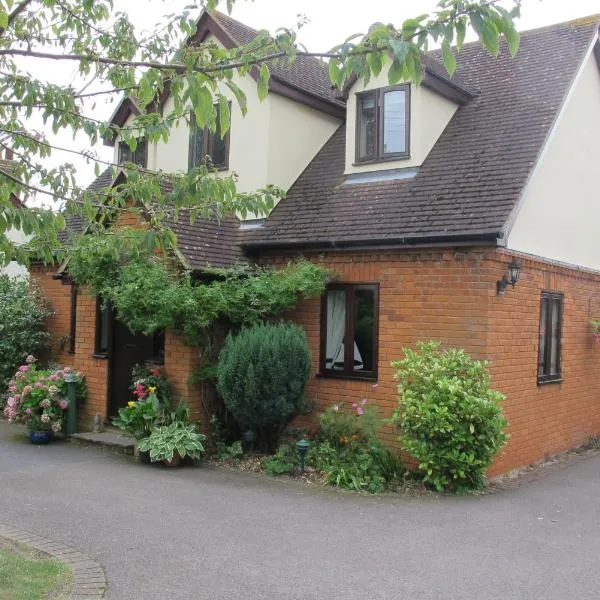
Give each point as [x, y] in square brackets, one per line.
[302, 447]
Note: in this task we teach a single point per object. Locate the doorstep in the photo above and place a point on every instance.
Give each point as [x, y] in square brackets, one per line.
[114, 440]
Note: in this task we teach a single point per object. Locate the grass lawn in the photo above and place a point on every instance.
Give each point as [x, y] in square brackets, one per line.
[26, 574]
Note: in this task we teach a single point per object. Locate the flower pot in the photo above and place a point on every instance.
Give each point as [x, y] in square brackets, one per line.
[174, 462]
[143, 457]
[40, 437]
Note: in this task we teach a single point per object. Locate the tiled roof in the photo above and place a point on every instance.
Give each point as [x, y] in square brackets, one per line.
[202, 243]
[307, 73]
[475, 173]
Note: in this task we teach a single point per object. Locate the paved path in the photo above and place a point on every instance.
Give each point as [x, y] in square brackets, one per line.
[209, 534]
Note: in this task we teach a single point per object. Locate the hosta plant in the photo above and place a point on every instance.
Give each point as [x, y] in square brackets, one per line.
[177, 438]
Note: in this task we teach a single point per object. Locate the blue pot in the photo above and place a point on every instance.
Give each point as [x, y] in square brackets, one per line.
[40, 437]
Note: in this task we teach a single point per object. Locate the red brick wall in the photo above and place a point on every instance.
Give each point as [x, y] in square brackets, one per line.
[451, 296]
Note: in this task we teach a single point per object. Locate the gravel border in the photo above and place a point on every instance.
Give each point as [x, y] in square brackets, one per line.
[89, 580]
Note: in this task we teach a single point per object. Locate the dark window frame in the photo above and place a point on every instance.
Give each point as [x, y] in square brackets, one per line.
[380, 155]
[99, 351]
[545, 374]
[207, 143]
[73, 319]
[142, 144]
[348, 372]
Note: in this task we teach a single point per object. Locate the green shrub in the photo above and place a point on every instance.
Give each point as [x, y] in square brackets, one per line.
[285, 460]
[449, 417]
[22, 315]
[348, 452]
[262, 375]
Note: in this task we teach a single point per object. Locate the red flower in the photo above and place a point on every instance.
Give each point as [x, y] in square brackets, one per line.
[155, 372]
[140, 391]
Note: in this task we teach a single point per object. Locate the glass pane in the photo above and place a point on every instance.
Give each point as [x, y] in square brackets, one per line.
[364, 330]
[196, 144]
[104, 319]
[394, 122]
[336, 330]
[554, 358]
[542, 349]
[366, 126]
[217, 153]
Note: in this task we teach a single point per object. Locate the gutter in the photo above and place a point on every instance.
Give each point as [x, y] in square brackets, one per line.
[488, 238]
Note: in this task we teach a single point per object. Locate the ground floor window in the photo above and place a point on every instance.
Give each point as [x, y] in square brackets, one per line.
[103, 323]
[349, 324]
[549, 355]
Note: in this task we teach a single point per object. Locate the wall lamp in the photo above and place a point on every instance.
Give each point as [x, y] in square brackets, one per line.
[514, 270]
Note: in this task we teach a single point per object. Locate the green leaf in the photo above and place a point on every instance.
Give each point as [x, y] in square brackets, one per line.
[395, 73]
[375, 62]
[239, 96]
[489, 37]
[263, 81]
[3, 19]
[513, 39]
[224, 115]
[203, 106]
[399, 49]
[335, 73]
[461, 32]
[448, 57]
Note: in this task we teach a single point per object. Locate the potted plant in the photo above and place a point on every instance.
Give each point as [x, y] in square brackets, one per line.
[172, 443]
[37, 399]
[595, 323]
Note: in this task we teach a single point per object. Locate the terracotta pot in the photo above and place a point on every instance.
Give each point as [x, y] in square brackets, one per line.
[174, 462]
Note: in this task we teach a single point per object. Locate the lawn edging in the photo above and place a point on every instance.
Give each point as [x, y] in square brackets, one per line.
[89, 579]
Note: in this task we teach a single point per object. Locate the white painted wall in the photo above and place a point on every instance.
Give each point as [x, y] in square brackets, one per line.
[559, 214]
[430, 113]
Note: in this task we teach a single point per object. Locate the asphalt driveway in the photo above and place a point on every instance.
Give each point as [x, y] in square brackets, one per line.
[202, 533]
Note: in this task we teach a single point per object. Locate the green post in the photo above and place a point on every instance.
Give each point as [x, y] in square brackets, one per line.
[71, 380]
[302, 447]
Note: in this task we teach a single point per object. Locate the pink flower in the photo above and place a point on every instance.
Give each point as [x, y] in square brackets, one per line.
[23, 368]
[45, 418]
[53, 390]
[10, 402]
[375, 386]
[26, 390]
[59, 374]
[30, 359]
[12, 382]
[354, 405]
[45, 403]
[28, 411]
[39, 385]
[19, 375]
[63, 404]
[52, 377]
[364, 401]
[17, 397]
[359, 411]
[67, 369]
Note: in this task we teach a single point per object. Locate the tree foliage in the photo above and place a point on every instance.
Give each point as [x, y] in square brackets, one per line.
[106, 48]
[263, 372]
[450, 419]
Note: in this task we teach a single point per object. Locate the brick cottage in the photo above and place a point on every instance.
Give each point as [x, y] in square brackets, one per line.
[463, 210]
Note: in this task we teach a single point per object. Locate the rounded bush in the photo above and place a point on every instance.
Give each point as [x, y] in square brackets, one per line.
[262, 375]
[449, 417]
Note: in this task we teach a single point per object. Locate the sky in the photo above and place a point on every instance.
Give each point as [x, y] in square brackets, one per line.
[329, 22]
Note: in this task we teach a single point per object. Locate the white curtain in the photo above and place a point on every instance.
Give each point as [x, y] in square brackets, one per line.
[336, 329]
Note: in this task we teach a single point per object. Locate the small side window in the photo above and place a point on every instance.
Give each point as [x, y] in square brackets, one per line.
[550, 342]
[103, 325]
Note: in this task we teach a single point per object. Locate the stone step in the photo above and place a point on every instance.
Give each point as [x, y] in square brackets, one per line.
[117, 441]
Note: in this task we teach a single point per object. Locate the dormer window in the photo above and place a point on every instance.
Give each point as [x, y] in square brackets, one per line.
[139, 156]
[206, 143]
[383, 124]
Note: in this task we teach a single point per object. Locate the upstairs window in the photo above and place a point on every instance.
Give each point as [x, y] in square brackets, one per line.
[206, 143]
[349, 323]
[549, 359]
[383, 124]
[139, 156]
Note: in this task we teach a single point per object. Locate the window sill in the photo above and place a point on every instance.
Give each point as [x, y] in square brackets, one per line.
[547, 380]
[371, 378]
[376, 161]
[100, 355]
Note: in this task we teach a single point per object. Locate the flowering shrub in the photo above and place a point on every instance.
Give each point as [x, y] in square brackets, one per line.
[139, 416]
[38, 397]
[348, 451]
[149, 379]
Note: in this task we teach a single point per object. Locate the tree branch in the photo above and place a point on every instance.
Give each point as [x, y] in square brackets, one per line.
[15, 13]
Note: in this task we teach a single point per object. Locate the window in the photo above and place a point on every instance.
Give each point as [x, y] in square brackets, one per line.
[383, 124]
[349, 312]
[103, 324]
[73, 319]
[139, 156]
[204, 142]
[549, 360]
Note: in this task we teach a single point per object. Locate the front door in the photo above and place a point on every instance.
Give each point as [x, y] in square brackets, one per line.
[128, 350]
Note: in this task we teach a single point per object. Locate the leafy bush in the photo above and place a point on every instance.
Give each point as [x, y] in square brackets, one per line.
[449, 417]
[285, 460]
[22, 315]
[262, 376]
[139, 416]
[178, 437]
[348, 452]
[148, 379]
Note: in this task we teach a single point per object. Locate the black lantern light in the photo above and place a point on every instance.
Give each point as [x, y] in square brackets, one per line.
[249, 437]
[302, 447]
[514, 270]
